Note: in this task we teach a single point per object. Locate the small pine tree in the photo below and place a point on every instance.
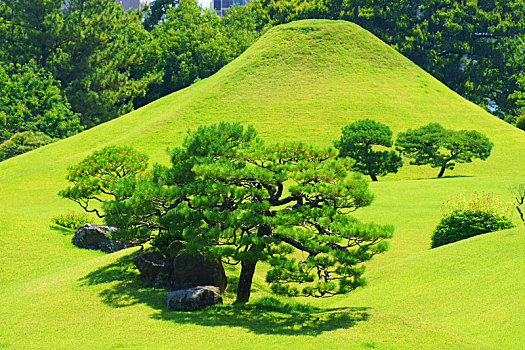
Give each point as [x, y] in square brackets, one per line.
[95, 177]
[357, 142]
[442, 148]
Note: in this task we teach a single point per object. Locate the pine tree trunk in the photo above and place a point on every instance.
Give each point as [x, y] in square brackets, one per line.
[373, 177]
[442, 171]
[248, 268]
[245, 281]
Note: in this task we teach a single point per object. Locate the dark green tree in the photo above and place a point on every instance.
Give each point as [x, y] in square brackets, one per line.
[156, 12]
[192, 43]
[30, 100]
[89, 46]
[224, 197]
[358, 141]
[442, 148]
[95, 176]
[23, 142]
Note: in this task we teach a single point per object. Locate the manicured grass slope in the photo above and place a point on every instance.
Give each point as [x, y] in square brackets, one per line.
[302, 81]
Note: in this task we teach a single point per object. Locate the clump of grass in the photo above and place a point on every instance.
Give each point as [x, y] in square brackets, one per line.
[475, 202]
[72, 219]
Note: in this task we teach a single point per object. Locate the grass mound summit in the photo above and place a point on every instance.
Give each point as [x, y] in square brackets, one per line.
[302, 81]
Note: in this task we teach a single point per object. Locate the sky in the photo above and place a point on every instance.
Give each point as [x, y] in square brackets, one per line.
[205, 3]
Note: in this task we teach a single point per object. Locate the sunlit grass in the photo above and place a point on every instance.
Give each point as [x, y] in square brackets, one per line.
[303, 81]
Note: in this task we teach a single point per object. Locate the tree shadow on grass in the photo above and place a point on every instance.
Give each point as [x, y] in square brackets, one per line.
[444, 177]
[263, 316]
[272, 316]
[62, 230]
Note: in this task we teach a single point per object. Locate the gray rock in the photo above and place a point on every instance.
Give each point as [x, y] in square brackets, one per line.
[193, 299]
[155, 267]
[185, 271]
[191, 271]
[97, 237]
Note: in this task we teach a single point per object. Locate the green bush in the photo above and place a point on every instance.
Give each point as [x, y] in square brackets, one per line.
[31, 100]
[520, 123]
[23, 142]
[72, 219]
[461, 224]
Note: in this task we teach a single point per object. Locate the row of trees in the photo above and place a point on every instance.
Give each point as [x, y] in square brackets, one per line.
[365, 142]
[224, 196]
[228, 195]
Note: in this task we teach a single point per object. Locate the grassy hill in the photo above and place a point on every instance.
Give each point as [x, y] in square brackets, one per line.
[301, 81]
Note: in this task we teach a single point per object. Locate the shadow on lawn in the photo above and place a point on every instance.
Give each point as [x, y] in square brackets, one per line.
[263, 316]
[62, 230]
[444, 177]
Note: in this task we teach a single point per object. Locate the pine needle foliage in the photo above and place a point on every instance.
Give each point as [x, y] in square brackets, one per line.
[94, 177]
[442, 148]
[358, 141]
[228, 195]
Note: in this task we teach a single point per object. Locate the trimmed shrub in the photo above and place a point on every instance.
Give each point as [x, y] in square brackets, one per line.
[72, 219]
[462, 224]
[23, 142]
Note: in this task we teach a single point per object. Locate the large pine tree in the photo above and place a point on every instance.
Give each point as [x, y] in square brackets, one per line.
[229, 196]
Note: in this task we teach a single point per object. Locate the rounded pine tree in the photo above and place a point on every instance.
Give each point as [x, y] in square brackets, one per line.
[358, 142]
[442, 148]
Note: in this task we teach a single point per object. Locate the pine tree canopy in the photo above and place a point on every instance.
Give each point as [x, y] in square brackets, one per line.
[228, 195]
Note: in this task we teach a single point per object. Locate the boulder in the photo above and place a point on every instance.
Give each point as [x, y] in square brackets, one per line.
[193, 299]
[185, 271]
[191, 271]
[155, 267]
[97, 237]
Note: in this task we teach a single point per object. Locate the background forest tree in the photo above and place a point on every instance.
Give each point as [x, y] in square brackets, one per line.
[475, 47]
[108, 61]
[191, 43]
[87, 45]
[105, 60]
[30, 100]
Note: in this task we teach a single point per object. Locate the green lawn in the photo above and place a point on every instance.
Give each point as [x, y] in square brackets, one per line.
[301, 81]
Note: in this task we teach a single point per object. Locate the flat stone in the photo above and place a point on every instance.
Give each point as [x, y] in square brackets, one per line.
[193, 299]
